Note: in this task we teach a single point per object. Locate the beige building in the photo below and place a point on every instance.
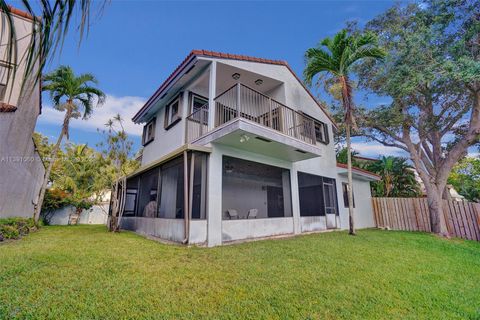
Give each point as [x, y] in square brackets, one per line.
[21, 169]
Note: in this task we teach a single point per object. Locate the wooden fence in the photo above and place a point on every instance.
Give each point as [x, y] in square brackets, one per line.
[463, 218]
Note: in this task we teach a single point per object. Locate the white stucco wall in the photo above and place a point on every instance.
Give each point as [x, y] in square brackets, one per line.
[168, 229]
[363, 211]
[255, 228]
[166, 140]
[95, 215]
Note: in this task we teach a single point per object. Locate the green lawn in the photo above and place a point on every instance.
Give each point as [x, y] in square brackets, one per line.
[84, 272]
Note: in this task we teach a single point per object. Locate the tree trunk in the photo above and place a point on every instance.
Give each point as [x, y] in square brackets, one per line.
[350, 182]
[74, 220]
[114, 203]
[55, 149]
[437, 217]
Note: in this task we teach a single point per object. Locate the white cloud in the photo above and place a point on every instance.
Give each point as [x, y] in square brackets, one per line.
[125, 106]
[374, 150]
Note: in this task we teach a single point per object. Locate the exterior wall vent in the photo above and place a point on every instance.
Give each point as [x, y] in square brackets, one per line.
[263, 139]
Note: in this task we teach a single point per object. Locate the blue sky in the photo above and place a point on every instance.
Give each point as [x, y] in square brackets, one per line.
[135, 45]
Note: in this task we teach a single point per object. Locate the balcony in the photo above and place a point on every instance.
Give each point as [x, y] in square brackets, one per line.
[268, 119]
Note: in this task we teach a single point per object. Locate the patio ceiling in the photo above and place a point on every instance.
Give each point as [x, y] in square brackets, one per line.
[249, 136]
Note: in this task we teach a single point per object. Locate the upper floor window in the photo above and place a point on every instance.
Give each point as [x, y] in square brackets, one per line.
[321, 132]
[4, 72]
[320, 129]
[3, 91]
[149, 132]
[198, 102]
[172, 113]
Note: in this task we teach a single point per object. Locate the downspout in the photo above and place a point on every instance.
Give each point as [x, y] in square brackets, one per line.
[185, 196]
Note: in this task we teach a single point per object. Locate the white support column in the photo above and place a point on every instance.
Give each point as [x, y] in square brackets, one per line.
[185, 113]
[212, 89]
[214, 199]
[295, 201]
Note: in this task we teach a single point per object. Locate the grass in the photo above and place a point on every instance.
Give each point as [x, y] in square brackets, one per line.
[84, 272]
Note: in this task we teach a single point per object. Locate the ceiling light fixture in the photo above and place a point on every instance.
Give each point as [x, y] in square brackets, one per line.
[236, 76]
[259, 82]
[244, 138]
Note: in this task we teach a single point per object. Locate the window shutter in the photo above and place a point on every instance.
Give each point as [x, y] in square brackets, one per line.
[154, 122]
[327, 137]
[144, 134]
[165, 121]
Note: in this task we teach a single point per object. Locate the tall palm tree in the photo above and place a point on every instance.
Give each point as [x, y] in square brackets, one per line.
[76, 95]
[336, 57]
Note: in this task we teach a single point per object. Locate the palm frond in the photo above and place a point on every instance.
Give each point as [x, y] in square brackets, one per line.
[318, 60]
[52, 21]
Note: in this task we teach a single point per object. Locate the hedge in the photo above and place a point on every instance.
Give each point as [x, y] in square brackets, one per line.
[14, 228]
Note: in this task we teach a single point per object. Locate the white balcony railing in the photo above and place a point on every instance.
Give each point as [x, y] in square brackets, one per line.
[244, 102]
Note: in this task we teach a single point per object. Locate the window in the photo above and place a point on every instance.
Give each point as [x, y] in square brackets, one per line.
[317, 195]
[198, 103]
[199, 186]
[147, 200]
[321, 132]
[3, 90]
[172, 202]
[149, 132]
[254, 190]
[172, 113]
[345, 195]
[320, 129]
[131, 196]
[4, 73]
[159, 192]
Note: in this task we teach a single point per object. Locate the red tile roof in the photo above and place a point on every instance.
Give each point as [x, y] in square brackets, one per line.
[359, 170]
[5, 107]
[20, 13]
[213, 54]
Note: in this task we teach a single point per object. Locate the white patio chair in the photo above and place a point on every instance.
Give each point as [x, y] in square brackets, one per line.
[252, 213]
[232, 213]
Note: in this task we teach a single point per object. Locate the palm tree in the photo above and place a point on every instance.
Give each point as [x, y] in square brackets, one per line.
[72, 94]
[398, 178]
[336, 57]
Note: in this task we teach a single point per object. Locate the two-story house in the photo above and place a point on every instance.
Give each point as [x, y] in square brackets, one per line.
[235, 148]
[21, 169]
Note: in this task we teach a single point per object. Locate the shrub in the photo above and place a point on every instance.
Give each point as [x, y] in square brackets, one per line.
[14, 228]
[9, 232]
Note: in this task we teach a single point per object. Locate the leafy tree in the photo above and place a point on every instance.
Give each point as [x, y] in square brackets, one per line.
[342, 157]
[336, 57]
[398, 178]
[465, 178]
[432, 74]
[117, 149]
[71, 94]
[77, 176]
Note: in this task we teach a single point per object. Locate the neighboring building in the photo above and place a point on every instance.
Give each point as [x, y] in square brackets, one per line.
[236, 148]
[21, 169]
